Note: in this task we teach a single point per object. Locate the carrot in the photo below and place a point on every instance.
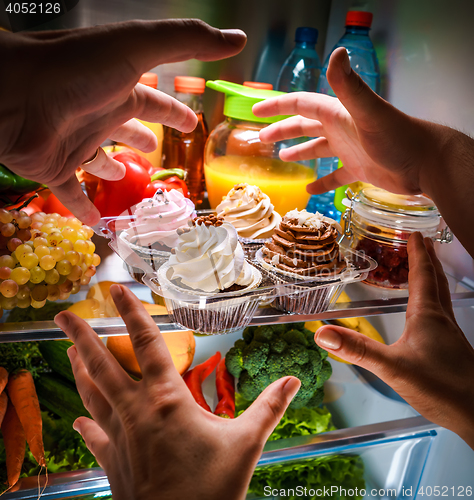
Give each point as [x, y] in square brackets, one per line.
[15, 444]
[22, 393]
[3, 378]
[3, 405]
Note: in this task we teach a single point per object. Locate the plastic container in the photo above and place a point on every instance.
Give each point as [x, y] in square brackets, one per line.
[364, 61]
[227, 311]
[151, 79]
[234, 153]
[379, 223]
[186, 150]
[259, 85]
[301, 70]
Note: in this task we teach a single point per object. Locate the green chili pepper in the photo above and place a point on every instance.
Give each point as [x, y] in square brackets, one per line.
[13, 183]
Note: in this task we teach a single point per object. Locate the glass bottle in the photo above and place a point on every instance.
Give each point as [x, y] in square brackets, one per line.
[186, 150]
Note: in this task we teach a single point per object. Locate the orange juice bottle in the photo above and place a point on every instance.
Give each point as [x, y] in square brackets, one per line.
[151, 79]
[186, 150]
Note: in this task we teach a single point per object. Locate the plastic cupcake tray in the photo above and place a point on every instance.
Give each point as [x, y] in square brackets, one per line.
[227, 311]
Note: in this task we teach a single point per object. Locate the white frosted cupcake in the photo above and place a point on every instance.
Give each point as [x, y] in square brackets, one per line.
[207, 283]
[153, 233]
[252, 214]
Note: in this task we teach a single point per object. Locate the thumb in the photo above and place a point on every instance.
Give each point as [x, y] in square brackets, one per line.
[364, 105]
[356, 348]
[261, 418]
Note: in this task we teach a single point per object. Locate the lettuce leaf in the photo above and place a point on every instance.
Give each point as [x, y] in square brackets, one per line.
[345, 471]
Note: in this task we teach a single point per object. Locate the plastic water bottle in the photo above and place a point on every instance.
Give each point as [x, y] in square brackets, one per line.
[301, 70]
[300, 73]
[363, 60]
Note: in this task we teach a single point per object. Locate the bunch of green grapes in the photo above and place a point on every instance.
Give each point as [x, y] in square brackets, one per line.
[43, 257]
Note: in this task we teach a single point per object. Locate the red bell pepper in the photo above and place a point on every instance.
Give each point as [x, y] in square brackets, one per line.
[225, 392]
[167, 179]
[196, 376]
[114, 197]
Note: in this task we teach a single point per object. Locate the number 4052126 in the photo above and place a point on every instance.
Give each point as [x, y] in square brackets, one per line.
[33, 8]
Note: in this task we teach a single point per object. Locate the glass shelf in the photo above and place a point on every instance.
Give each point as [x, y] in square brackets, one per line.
[364, 303]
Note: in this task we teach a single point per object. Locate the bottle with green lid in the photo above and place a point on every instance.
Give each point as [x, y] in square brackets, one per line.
[234, 153]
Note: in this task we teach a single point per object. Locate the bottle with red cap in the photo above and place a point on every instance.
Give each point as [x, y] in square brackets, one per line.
[361, 52]
[186, 150]
[364, 61]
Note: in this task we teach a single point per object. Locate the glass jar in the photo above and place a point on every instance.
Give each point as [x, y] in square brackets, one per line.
[379, 223]
[234, 153]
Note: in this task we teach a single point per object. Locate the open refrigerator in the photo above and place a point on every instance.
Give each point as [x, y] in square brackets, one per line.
[404, 455]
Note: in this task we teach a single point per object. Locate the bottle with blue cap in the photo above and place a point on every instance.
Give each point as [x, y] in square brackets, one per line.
[300, 72]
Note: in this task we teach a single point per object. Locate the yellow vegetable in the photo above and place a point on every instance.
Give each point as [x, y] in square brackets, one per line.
[101, 290]
[361, 325]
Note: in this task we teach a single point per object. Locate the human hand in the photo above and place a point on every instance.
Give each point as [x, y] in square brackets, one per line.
[376, 142]
[430, 366]
[151, 437]
[65, 92]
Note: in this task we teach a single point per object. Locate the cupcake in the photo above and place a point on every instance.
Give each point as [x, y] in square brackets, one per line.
[304, 247]
[153, 233]
[251, 213]
[207, 284]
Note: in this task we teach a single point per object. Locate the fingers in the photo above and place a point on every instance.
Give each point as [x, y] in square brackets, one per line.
[104, 166]
[103, 369]
[339, 177]
[266, 411]
[154, 106]
[93, 400]
[355, 348]
[316, 148]
[366, 107]
[70, 194]
[95, 438]
[148, 343]
[136, 135]
[291, 128]
[307, 104]
[443, 286]
[422, 279]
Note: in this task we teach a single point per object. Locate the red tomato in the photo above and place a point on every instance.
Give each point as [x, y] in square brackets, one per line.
[115, 197]
[53, 205]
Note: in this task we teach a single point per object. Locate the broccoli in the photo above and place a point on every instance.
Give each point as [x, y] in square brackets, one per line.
[267, 353]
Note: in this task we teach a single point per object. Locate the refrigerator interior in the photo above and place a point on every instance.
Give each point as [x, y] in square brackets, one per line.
[425, 52]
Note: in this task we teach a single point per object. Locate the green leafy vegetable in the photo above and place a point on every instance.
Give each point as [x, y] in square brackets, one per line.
[344, 471]
[18, 355]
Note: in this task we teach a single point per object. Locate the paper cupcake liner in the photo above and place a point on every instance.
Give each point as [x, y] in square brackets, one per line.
[251, 247]
[213, 315]
[312, 301]
[312, 298]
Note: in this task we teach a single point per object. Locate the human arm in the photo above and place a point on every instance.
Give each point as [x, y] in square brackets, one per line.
[432, 363]
[65, 92]
[377, 143]
[151, 436]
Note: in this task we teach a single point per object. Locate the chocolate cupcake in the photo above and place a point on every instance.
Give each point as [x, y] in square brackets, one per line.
[304, 247]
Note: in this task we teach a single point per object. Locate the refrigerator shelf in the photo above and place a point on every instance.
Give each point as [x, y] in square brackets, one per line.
[106, 327]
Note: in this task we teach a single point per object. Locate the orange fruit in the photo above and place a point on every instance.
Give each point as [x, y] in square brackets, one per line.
[180, 344]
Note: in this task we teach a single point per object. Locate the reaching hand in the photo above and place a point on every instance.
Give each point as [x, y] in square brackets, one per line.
[65, 92]
[432, 364]
[151, 437]
[376, 142]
